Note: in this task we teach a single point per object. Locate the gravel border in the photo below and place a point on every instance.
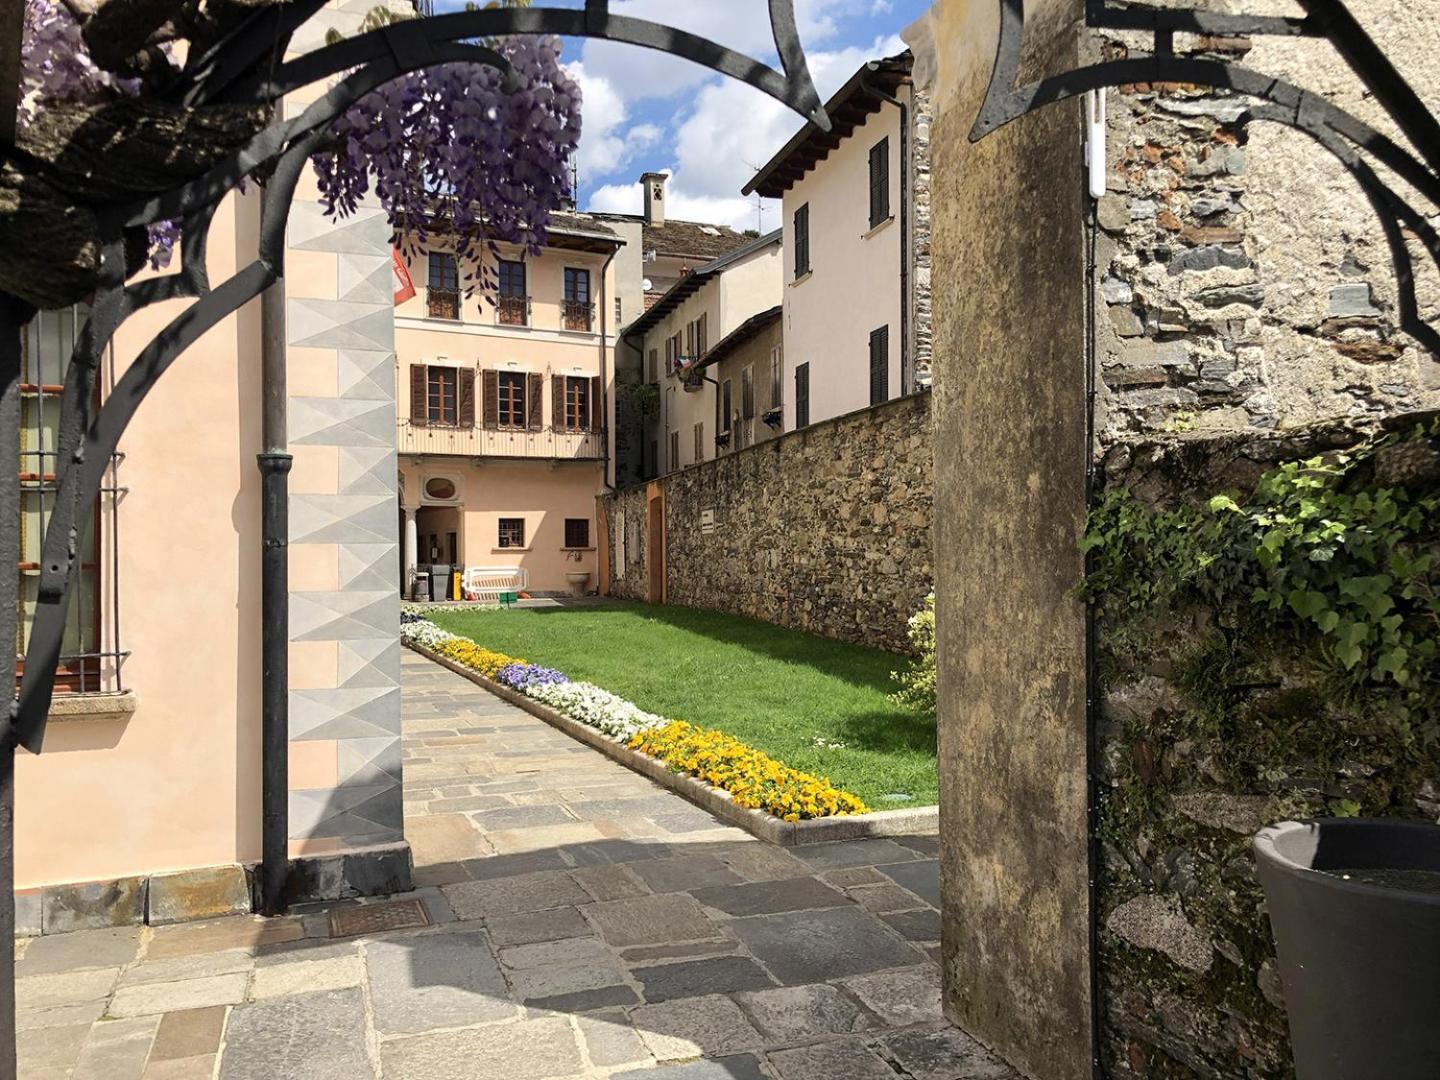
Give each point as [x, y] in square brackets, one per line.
[919, 820]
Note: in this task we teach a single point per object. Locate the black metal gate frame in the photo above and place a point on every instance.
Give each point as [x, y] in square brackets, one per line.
[247, 67]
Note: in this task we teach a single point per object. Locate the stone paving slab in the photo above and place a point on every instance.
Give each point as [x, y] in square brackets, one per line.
[587, 925]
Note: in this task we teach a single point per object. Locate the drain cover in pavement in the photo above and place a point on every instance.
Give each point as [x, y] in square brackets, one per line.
[373, 918]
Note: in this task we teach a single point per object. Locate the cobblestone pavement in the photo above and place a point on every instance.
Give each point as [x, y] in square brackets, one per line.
[583, 923]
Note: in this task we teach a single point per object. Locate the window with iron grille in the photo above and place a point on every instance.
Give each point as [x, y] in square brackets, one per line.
[442, 390]
[511, 396]
[577, 309]
[879, 182]
[512, 533]
[619, 313]
[879, 365]
[442, 295]
[511, 303]
[802, 395]
[801, 234]
[577, 403]
[577, 532]
[90, 653]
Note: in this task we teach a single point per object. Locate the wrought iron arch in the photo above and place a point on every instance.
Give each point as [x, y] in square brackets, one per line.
[246, 68]
[1350, 140]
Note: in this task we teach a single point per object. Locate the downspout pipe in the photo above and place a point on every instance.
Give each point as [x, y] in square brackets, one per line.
[907, 377]
[274, 460]
[604, 340]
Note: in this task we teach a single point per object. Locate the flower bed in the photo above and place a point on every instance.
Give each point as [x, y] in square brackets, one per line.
[753, 779]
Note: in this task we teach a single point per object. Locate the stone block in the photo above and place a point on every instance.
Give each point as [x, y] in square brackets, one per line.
[65, 988]
[535, 926]
[922, 878]
[189, 1034]
[651, 920]
[915, 925]
[693, 978]
[729, 1067]
[1352, 301]
[692, 1027]
[901, 998]
[610, 1041]
[1210, 257]
[429, 981]
[768, 897]
[690, 872]
[204, 893]
[116, 1050]
[848, 1058]
[74, 952]
[303, 976]
[818, 946]
[29, 906]
[149, 998]
[944, 1054]
[870, 852]
[515, 895]
[92, 905]
[1157, 923]
[1155, 354]
[532, 1050]
[791, 1014]
[319, 1036]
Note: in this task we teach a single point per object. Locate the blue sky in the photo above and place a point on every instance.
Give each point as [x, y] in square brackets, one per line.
[647, 111]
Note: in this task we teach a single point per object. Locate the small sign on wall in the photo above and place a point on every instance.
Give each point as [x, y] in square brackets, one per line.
[707, 521]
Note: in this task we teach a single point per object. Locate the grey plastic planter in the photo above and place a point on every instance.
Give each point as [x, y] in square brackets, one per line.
[1360, 963]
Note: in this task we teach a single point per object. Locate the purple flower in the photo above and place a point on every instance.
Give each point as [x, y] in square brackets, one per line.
[519, 676]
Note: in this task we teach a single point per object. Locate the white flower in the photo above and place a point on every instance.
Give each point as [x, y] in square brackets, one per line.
[588, 704]
[424, 633]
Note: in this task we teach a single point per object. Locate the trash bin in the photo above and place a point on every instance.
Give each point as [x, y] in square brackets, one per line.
[440, 581]
[457, 583]
[420, 590]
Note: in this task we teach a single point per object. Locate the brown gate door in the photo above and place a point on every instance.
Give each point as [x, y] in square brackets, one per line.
[655, 546]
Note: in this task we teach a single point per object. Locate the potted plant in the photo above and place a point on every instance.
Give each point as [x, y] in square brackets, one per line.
[1354, 906]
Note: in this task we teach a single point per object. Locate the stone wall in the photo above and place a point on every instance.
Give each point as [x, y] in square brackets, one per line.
[922, 317]
[1243, 277]
[826, 529]
[1202, 739]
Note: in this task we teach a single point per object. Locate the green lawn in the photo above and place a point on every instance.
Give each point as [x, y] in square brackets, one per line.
[778, 690]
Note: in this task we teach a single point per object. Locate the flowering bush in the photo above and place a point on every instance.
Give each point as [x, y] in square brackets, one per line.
[917, 686]
[418, 631]
[756, 780]
[466, 652]
[590, 705]
[523, 676]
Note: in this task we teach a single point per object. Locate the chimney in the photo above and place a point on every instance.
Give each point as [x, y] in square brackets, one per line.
[654, 185]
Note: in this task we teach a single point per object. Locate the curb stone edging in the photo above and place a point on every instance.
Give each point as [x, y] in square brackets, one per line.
[908, 822]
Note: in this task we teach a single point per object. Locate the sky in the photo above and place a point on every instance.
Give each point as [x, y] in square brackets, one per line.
[646, 111]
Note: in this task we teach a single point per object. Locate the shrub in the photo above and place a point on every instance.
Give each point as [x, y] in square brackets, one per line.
[755, 780]
[917, 685]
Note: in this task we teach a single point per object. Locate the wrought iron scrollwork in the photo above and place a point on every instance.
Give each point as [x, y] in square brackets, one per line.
[245, 68]
[1352, 141]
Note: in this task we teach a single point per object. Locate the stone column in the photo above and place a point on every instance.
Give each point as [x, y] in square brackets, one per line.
[1010, 431]
[412, 548]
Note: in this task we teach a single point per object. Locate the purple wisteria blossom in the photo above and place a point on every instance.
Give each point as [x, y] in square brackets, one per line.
[520, 676]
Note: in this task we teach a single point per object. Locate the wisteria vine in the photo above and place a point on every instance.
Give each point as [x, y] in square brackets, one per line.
[447, 148]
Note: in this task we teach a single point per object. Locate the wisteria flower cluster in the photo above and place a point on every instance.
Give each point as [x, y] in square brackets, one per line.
[452, 146]
[520, 676]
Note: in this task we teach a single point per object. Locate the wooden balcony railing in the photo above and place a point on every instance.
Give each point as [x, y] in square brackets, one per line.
[577, 315]
[442, 303]
[499, 442]
[512, 310]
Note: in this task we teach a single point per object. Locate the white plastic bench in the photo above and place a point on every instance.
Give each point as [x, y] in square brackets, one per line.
[488, 582]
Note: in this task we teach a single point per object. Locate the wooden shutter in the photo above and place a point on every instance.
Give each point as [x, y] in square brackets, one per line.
[802, 241]
[490, 388]
[557, 402]
[879, 182]
[879, 365]
[465, 398]
[419, 394]
[597, 408]
[535, 401]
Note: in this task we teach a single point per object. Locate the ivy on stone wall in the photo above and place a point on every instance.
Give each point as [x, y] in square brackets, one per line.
[1337, 555]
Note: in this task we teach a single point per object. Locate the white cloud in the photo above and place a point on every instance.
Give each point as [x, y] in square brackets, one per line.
[607, 143]
[733, 210]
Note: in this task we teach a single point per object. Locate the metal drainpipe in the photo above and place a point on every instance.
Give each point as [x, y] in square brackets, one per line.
[605, 397]
[907, 377]
[274, 461]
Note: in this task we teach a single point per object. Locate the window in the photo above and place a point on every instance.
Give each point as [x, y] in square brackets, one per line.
[88, 661]
[577, 311]
[512, 532]
[747, 393]
[802, 395]
[702, 334]
[777, 377]
[577, 532]
[512, 304]
[577, 404]
[442, 295]
[674, 450]
[700, 441]
[879, 182]
[727, 406]
[443, 396]
[879, 365]
[669, 356]
[619, 313]
[653, 375]
[690, 339]
[511, 389]
[802, 241]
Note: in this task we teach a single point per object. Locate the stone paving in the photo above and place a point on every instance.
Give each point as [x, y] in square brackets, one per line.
[584, 923]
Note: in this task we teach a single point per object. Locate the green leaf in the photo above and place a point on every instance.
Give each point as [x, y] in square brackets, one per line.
[1307, 603]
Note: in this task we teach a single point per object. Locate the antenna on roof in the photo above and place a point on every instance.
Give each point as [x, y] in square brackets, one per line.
[759, 203]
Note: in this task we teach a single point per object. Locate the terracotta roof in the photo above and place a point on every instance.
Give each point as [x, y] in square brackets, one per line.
[852, 104]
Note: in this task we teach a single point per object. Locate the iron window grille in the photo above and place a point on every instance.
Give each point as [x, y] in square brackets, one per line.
[577, 311]
[442, 290]
[879, 365]
[512, 304]
[802, 395]
[802, 241]
[512, 533]
[91, 657]
[577, 532]
[880, 182]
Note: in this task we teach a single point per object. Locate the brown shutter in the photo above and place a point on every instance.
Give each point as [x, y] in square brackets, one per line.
[597, 410]
[419, 395]
[534, 401]
[490, 388]
[557, 402]
[465, 408]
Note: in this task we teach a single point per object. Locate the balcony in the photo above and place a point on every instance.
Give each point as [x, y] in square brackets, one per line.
[512, 310]
[442, 303]
[577, 315]
[501, 443]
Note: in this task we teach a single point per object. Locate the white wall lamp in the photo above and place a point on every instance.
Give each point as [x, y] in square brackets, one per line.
[1095, 141]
